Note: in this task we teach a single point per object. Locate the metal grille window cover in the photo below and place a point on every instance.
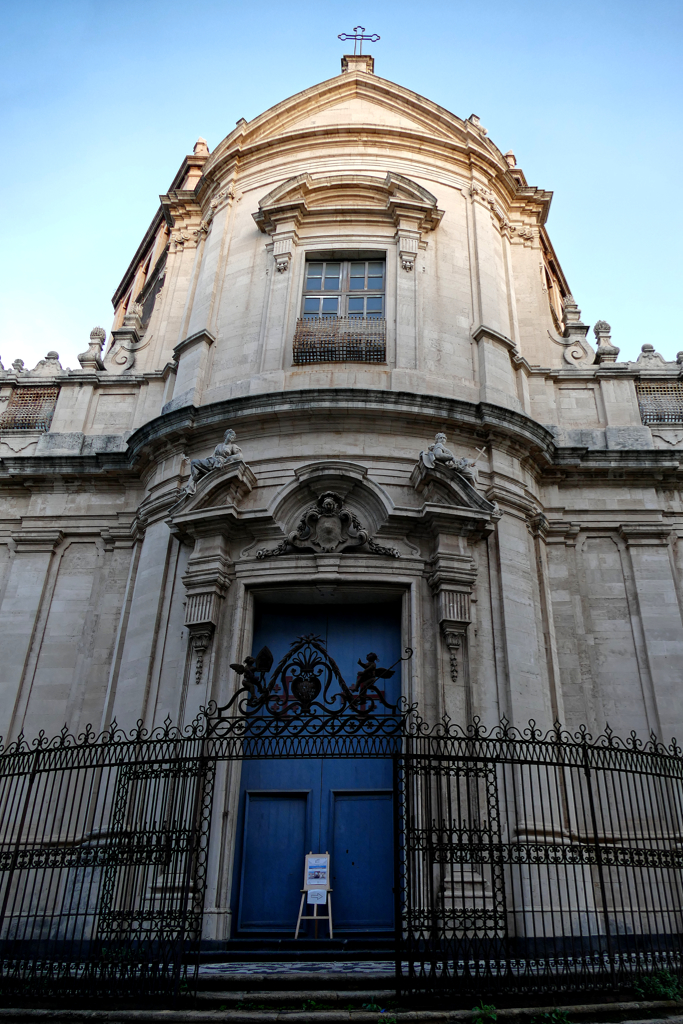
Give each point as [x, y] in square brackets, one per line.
[660, 402]
[30, 408]
[523, 863]
[340, 339]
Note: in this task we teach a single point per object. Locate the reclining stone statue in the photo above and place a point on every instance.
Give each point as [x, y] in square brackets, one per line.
[223, 454]
[439, 454]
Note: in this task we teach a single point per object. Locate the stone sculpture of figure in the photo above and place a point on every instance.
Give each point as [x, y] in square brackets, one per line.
[439, 454]
[223, 454]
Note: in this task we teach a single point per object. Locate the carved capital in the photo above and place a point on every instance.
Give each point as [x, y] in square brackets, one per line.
[453, 636]
[454, 606]
[28, 541]
[408, 244]
[200, 639]
[283, 250]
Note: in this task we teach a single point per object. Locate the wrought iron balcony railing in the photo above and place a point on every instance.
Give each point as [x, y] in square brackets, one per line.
[340, 339]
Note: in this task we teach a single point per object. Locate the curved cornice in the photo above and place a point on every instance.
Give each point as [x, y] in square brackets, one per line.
[318, 406]
[423, 410]
[281, 118]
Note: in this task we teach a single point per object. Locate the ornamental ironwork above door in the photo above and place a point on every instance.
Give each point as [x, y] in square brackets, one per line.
[307, 684]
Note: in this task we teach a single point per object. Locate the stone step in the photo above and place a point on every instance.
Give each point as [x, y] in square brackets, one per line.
[255, 999]
[247, 978]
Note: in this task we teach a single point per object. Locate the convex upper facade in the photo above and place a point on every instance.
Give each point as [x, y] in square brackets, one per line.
[346, 371]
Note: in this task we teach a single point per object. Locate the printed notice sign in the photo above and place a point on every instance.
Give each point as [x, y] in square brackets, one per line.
[317, 871]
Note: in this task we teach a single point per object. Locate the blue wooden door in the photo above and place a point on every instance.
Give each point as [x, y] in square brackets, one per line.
[343, 806]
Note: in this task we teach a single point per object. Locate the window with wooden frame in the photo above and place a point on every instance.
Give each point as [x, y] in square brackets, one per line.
[344, 288]
[342, 309]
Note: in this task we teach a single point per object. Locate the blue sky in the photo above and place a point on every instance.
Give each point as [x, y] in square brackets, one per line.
[101, 100]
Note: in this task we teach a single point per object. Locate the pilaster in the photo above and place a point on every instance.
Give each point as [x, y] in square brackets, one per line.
[452, 581]
[649, 548]
[21, 604]
[206, 583]
[192, 356]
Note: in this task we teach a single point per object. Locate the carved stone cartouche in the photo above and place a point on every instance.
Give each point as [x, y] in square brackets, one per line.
[327, 527]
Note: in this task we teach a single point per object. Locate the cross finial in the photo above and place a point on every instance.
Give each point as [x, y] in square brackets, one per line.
[358, 35]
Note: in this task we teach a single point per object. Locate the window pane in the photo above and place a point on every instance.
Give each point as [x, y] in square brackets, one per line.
[330, 306]
[357, 284]
[375, 269]
[311, 306]
[314, 276]
[375, 284]
[356, 305]
[358, 270]
[374, 306]
[331, 277]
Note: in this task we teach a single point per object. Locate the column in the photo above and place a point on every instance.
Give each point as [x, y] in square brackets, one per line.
[128, 699]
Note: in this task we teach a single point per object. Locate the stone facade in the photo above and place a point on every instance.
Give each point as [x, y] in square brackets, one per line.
[546, 582]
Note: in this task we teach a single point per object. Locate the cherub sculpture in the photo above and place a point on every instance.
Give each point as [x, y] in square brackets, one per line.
[439, 454]
[254, 670]
[223, 454]
[369, 674]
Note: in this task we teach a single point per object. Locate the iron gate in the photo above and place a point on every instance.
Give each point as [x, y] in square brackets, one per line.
[537, 863]
[523, 863]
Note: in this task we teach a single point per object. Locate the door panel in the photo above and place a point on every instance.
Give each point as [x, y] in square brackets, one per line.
[363, 861]
[272, 860]
[362, 900]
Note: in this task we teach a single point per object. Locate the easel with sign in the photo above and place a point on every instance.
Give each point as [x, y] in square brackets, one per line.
[316, 891]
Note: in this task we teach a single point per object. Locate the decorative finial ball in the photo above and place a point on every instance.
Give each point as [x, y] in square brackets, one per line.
[602, 327]
[98, 334]
[52, 354]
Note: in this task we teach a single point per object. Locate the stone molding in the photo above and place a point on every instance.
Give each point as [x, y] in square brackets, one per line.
[28, 541]
[327, 199]
[199, 337]
[646, 534]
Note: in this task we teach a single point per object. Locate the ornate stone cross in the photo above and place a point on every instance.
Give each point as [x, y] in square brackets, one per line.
[358, 36]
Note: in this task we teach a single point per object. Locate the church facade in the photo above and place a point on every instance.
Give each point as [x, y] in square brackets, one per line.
[347, 393]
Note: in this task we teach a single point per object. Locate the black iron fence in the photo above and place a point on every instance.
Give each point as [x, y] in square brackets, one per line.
[102, 863]
[537, 863]
[524, 863]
